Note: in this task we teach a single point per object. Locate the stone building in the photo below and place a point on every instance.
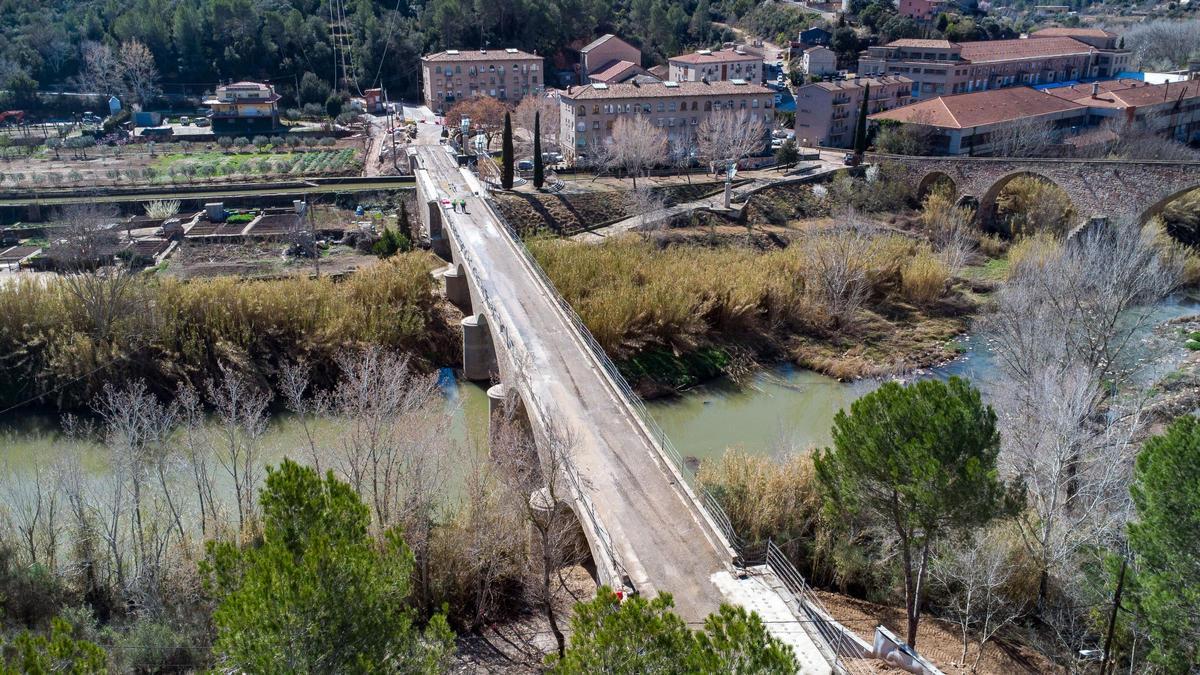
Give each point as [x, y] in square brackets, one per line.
[827, 112]
[725, 64]
[505, 74]
[588, 114]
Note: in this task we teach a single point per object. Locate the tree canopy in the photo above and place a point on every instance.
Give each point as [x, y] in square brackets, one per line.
[1165, 540]
[643, 635]
[921, 461]
[317, 594]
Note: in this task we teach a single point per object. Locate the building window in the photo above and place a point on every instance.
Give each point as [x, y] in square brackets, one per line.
[596, 124]
[595, 108]
[754, 103]
[662, 107]
[458, 69]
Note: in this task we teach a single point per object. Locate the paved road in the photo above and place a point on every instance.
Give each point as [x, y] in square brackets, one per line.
[658, 536]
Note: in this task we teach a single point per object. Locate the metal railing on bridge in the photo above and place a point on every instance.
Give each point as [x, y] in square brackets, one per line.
[749, 554]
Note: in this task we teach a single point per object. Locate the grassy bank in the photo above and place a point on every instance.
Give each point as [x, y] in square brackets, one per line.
[672, 315]
[63, 341]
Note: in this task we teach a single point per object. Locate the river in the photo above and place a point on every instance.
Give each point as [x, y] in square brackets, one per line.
[781, 408]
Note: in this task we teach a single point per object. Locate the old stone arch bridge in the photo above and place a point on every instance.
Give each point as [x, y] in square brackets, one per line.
[1118, 189]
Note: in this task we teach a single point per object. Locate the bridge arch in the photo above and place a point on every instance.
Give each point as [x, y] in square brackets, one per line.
[1159, 206]
[987, 209]
[934, 180]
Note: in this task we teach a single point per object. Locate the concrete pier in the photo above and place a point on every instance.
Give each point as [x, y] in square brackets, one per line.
[479, 355]
[457, 290]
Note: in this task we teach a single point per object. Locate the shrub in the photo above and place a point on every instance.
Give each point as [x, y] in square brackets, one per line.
[391, 243]
[225, 142]
[261, 142]
[1030, 205]
[327, 142]
[924, 277]
[241, 141]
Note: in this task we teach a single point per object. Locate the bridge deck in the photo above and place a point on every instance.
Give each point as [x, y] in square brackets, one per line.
[657, 536]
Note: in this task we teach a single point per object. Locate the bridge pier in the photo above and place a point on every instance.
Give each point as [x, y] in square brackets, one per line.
[479, 354]
[457, 290]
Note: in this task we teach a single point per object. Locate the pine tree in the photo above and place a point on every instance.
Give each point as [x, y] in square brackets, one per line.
[506, 177]
[860, 127]
[539, 171]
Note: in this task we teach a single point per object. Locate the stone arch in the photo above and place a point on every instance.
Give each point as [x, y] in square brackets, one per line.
[987, 202]
[934, 179]
[1158, 206]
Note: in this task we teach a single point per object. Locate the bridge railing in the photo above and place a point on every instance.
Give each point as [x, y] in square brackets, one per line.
[748, 554]
[540, 414]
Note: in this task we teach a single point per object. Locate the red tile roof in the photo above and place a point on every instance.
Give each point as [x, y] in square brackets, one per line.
[613, 71]
[1127, 93]
[1073, 32]
[931, 44]
[980, 108]
[987, 51]
[480, 55]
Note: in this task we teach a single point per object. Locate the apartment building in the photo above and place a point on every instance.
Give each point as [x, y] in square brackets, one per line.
[1110, 60]
[921, 11]
[588, 114]
[244, 108]
[818, 61]
[969, 124]
[734, 63]
[505, 74]
[939, 67]
[605, 52]
[827, 112]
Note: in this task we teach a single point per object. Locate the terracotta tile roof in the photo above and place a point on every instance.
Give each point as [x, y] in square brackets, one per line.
[479, 55]
[1127, 93]
[721, 56]
[912, 42]
[662, 90]
[980, 108]
[1073, 32]
[987, 51]
[661, 72]
[613, 70]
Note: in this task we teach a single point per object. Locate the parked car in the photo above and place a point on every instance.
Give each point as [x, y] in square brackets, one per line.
[849, 159]
[202, 122]
[185, 121]
[525, 165]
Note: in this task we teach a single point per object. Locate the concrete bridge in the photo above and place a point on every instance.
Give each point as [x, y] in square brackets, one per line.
[1122, 189]
[650, 528]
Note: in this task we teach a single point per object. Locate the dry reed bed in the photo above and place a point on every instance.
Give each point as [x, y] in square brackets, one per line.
[634, 295]
[52, 340]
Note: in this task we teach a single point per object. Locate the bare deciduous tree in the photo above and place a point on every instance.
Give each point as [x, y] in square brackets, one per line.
[138, 72]
[102, 73]
[1025, 137]
[240, 409]
[1065, 338]
[838, 259]
[523, 117]
[973, 578]
[33, 506]
[635, 146]
[729, 136]
[537, 476]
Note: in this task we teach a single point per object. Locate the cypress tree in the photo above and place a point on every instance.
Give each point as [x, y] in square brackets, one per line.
[539, 172]
[506, 176]
[860, 127]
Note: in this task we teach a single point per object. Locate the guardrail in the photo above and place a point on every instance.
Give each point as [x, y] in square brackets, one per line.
[772, 556]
